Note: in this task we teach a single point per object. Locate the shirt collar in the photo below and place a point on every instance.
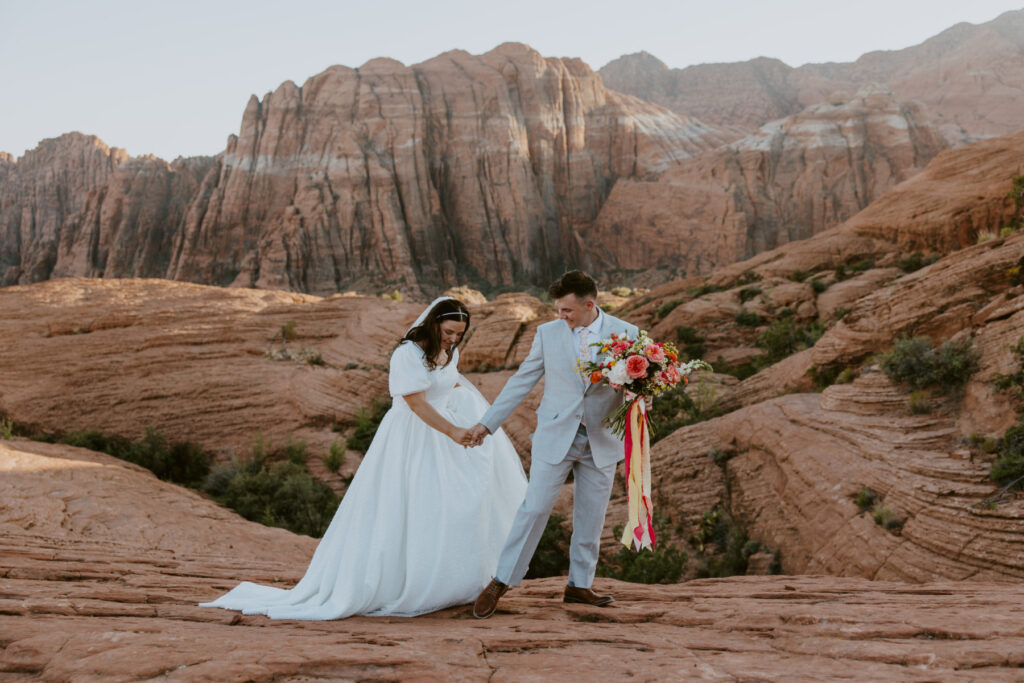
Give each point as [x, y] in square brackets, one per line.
[593, 328]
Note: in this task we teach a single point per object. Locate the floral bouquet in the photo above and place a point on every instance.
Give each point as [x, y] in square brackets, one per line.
[643, 368]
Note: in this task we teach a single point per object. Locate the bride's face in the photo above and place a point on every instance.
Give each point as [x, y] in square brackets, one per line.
[451, 333]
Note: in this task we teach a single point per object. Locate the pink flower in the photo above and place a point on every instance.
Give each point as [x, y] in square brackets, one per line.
[654, 353]
[620, 347]
[670, 375]
[636, 366]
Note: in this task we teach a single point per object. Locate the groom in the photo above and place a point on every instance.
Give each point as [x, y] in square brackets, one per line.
[570, 436]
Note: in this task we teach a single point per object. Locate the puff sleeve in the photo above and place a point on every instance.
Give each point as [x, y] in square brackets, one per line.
[408, 373]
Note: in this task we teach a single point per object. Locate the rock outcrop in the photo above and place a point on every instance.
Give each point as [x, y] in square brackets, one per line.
[460, 169]
[794, 178]
[970, 78]
[97, 586]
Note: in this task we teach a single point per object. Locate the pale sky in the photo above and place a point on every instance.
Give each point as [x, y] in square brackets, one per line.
[172, 77]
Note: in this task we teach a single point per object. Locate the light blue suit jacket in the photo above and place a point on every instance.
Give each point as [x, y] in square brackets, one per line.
[566, 397]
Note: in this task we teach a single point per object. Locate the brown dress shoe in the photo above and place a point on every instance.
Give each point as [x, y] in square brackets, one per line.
[487, 601]
[586, 597]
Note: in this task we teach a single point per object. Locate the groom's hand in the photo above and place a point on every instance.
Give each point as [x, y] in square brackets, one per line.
[477, 434]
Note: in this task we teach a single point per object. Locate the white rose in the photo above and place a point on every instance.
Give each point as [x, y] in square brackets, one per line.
[617, 374]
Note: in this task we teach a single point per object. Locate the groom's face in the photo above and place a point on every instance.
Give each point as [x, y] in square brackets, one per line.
[576, 311]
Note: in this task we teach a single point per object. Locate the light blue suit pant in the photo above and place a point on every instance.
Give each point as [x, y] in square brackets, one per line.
[592, 486]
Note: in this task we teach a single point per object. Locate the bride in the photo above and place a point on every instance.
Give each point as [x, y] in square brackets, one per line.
[422, 523]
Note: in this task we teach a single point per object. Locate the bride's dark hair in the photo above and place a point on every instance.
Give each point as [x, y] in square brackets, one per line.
[428, 333]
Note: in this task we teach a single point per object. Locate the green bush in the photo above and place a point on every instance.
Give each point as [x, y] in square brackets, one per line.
[335, 457]
[723, 547]
[674, 409]
[315, 359]
[784, 338]
[667, 307]
[748, 277]
[367, 422]
[1009, 464]
[920, 402]
[664, 564]
[866, 499]
[799, 275]
[915, 362]
[886, 518]
[622, 291]
[6, 428]
[748, 293]
[288, 332]
[552, 555]
[748, 319]
[1013, 382]
[862, 265]
[915, 261]
[179, 462]
[818, 285]
[692, 344]
[706, 288]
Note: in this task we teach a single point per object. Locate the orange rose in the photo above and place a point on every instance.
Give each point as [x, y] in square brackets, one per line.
[596, 377]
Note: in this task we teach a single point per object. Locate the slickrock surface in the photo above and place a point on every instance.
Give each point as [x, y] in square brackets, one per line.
[196, 362]
[84, 597]
[969, 77]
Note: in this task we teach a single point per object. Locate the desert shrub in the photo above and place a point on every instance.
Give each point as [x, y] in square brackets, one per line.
[296, 451]
[664, 564]
[920, 402]
[748, 293]
[622, 291]
[394, 295]
[818, 285]
[367, 422]
[288, 332]
[915, 362]
[667, 307]
[315, 359]
[866, 499]
[799, 275]
[674, 409]
[720, 457]
[748, 277]
[1007, 230]
[862, 265]
[784, 338]
[740, 372]
[748, 319]
[1009, 464]
[706, 288]
[335, 457]
[552, 555]
[6, 428]
[1013, 382]
[886, 518]
[723, 547]
[691, 343]
[985, 236]
[182, 462]
[841, 272]
[280, 494]
[915, 261]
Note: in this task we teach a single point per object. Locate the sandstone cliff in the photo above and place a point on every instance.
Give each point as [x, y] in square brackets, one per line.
[462, 168]
[793, 178]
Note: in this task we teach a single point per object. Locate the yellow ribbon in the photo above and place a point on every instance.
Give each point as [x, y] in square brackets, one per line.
[639, 530]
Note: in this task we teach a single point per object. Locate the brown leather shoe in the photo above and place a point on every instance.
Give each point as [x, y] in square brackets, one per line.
[586, 597]
[487, 601]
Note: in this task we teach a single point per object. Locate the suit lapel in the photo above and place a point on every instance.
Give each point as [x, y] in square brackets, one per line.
[606, 329]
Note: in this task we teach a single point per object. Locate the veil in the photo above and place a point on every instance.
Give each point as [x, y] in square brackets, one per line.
[462, 379]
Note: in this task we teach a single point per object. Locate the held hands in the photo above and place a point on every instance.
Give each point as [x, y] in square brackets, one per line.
[477, 434]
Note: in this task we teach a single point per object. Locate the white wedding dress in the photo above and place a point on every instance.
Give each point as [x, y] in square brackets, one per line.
[423, 521]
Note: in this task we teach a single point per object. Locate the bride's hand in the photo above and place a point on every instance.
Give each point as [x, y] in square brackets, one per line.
[461, 436]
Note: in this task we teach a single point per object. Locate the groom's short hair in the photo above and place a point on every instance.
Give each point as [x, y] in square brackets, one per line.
[574, 282]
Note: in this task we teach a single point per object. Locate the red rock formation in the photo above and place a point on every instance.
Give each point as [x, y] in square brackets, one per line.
[795, 177]
[95, 584]
[970, 79]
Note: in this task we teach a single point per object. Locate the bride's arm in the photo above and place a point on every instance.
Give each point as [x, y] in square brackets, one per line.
[418, 404]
